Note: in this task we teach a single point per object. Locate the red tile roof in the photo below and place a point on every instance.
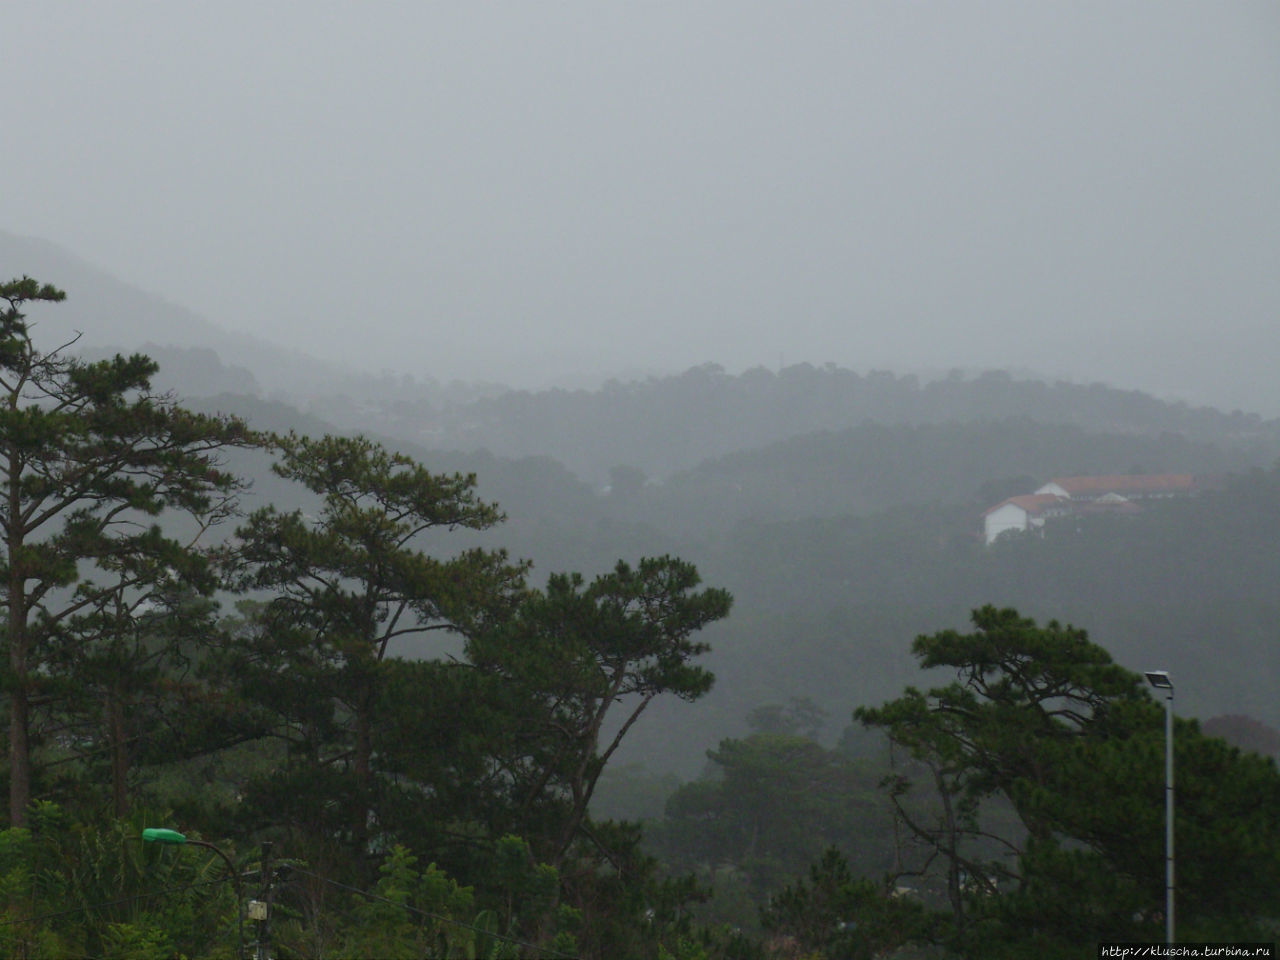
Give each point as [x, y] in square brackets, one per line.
[1033, 503]
[1127, 483]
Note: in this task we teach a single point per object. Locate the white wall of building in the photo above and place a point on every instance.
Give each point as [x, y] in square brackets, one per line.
[1008, 516]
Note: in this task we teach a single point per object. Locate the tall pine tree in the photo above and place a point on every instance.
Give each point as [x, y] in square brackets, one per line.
[346, 583]
[90, 460]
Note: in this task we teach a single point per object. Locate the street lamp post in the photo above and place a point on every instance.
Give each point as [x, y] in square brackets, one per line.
[174, 838]
[1160, 680]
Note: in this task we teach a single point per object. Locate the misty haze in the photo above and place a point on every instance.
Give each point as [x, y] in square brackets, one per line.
[711, 480]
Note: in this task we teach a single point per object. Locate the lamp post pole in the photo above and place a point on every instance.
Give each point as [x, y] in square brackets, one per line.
[174, 838]
[262, 947]
[1160, 680]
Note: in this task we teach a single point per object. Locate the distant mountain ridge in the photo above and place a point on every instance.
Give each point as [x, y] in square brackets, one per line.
[660, 425]
[841, 509]
[111, 313]
[864, 470]
[670, 424]
[114, 315]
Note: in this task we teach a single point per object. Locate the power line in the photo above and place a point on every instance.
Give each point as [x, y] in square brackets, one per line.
[547, 951]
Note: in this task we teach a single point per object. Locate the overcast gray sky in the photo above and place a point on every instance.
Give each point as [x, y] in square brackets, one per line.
[522, 191]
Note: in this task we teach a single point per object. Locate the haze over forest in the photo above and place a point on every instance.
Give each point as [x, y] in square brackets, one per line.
[790, 294]
[383, 220]
[842, 513]
[531, 195]
[842, 510]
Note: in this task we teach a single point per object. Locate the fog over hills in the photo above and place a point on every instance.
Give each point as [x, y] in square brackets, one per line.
[841, 508]
[111, 313]
[660, 425]
[522, 193]
[523, 365]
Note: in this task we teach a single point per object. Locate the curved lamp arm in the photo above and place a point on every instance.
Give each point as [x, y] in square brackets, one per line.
[169, 837]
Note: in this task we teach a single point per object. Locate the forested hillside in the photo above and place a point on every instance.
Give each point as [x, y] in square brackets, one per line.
[848, 541]
[670, 424]
[225, 615]
[841, 545]
[249, 686]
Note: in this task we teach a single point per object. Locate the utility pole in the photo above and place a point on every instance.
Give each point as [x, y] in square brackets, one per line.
[260, 910]
[1161, 681]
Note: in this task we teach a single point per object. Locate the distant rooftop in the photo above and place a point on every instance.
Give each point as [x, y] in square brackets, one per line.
[1125, 484]
[1033, 503]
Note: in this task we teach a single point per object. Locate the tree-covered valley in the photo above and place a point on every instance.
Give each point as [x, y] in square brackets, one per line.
[627, 672]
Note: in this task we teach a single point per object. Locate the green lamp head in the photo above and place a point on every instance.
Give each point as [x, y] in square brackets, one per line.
[163, 835]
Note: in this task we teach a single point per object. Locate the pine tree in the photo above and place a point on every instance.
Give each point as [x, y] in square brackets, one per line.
[345, 585]
[90, 460]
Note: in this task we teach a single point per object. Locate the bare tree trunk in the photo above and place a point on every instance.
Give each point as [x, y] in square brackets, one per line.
[119, 740]
[363, 769]
[955, 892]
[19, 746]
[19, 702]
[897, 818]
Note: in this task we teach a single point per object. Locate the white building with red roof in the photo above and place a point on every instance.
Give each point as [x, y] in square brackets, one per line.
[1114, 495]
[1023, 513]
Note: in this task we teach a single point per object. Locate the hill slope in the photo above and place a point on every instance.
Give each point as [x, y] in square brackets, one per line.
[666, 425]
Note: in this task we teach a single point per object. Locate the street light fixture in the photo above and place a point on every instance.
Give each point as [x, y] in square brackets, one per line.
[1160, 680]
[167, 837]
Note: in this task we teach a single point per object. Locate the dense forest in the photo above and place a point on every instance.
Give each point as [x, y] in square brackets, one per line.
[360, 664]
[648, 423]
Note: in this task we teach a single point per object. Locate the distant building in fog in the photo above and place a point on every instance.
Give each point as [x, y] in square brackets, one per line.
[1022, 513]
[1134, 486]
[1084, 495]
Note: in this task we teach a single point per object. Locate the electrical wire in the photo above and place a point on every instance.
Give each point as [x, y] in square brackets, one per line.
[547, 951]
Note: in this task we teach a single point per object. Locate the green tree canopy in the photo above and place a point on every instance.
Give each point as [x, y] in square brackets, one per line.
[576, 650]
[344, 584]
[1041, 721]
[90, 460]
